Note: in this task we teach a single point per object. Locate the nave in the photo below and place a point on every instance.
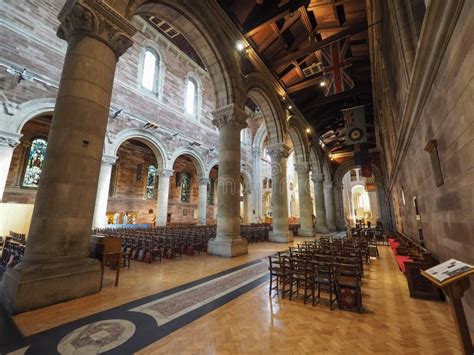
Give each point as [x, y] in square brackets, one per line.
[256, 323]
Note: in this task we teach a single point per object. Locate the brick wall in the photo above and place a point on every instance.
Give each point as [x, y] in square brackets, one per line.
[14, 192]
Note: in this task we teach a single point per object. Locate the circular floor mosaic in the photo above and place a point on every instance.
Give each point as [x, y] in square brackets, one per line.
[97, 337]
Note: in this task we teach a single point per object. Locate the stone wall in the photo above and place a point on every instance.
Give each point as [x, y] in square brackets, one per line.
[28, 40]
[447, 116]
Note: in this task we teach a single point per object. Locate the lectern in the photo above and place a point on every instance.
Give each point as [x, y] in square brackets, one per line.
[453, 277]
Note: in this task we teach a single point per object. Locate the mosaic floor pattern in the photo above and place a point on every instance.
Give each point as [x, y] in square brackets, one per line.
[133, 326]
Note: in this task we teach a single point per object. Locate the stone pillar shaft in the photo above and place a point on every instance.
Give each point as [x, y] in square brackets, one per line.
[306, 209]
[257, 185]
[56, 266]
[229, 120]
[279, 156]
[202, 200]
[330, 207]
[162, 200]
[8, 142]
[319, 204]
[103, 192]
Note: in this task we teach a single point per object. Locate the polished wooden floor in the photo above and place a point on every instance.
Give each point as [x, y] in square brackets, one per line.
[256, 324]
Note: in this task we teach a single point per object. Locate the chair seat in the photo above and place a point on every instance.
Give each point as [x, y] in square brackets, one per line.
[350, 282]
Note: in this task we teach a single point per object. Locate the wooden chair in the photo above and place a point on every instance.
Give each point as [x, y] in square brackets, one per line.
[348, 277]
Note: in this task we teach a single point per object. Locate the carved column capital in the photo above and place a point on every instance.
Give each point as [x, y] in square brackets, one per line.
[328, 184]
[278, 151]
[229, 115]
[108, 159]
[204, 181]
[96, 19]
[9, 139]
[317, 178]
[165, 173]
[302, 168]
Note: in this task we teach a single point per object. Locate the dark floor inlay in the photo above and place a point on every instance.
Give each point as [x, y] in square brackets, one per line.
[135, 325]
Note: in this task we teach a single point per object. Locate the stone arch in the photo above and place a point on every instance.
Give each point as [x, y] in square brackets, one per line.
[212, 164]
[193, 20]
[259, 137]
[29, 110]
[264, 95]
[142, 136]
[246, 178]
[326, 170]
[384, 205]
[315, 159]
[299, 139]
[195, 157]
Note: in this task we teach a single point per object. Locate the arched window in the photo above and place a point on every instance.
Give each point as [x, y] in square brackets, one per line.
[403, 196]
[151, 66]
[244, 136]
[185, 183]
[191, 97]
[151, 182]
[34, 165]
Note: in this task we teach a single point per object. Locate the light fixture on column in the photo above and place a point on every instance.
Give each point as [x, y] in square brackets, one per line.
[322, 83]
[308, 130]
[290, 107]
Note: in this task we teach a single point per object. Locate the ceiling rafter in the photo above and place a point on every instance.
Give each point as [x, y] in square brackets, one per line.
[263, 15]
[313, 47]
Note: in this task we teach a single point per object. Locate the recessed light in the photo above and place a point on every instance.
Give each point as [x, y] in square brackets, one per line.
[240, 45]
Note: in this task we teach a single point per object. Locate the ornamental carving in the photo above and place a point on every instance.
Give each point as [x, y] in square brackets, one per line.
[278, 151]
[165, 173]
[302, 167]
[96, 19]
[204, 181]
[229, 115]
[9, 139]
[317, 178]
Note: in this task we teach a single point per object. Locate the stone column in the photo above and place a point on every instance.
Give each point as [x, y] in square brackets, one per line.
[279, 156]
[257, 185]
[319, 205]
[163, 193]
[229, 119]
[103, 191]
[329, 204]
[56, 266]
[383, 204]
[202, 201]
[339, 205]
[8, 142]
[306, 209]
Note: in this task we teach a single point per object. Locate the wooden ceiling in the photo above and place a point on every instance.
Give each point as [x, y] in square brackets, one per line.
[289, 34]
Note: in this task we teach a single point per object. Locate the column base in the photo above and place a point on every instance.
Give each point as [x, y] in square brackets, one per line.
[332, 228]
[305, 232]
[321, 229]
[281, 236]
[228, 248]
[28, 287]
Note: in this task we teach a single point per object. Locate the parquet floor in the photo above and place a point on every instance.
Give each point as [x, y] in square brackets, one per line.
[256, 324]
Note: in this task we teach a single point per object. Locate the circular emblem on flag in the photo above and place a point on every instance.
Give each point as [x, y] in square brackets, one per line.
[355, 134]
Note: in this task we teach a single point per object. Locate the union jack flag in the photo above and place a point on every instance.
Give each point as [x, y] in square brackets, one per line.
[336, 66]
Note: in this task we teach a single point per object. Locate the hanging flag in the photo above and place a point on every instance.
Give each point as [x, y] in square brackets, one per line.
[336, 67]
[354, 122]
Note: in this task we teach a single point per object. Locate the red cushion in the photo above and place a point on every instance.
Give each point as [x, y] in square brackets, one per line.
[401, 260]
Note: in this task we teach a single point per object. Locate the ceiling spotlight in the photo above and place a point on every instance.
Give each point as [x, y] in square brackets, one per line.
[240, 45]
[308, 130]
[290, 107]
[322, 83]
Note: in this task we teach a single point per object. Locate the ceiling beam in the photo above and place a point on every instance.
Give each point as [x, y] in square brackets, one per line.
[304, 84]
[313, 47]
[333, 98]
[264, 15]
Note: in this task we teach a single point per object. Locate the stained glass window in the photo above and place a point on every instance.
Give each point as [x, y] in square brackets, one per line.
[35, 162]
[185, 183]
[150, 70]
[210, 192]
[151, 182]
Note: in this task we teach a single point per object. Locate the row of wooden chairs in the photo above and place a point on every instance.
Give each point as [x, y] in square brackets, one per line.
[310, 269]
[12, 249]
